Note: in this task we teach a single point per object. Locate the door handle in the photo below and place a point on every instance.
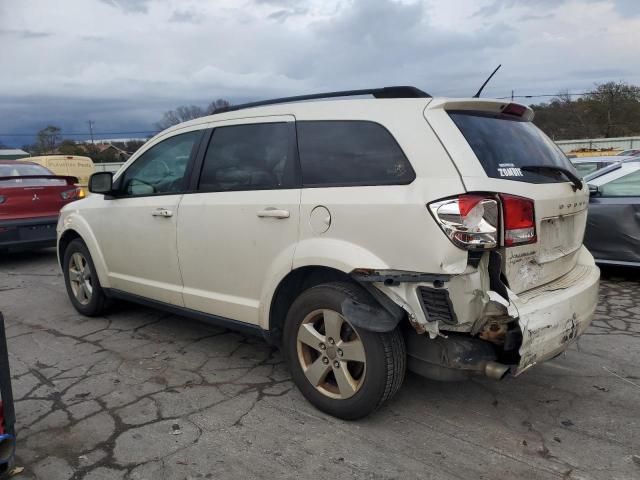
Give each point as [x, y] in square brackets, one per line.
[272, 212]
[162, 212]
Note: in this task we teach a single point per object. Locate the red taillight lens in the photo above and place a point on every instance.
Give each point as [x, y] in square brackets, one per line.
[469, 220]
[514, 109]
[519, 220]
[73, 194]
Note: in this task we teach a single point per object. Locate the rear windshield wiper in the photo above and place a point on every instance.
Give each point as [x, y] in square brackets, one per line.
[575, 180]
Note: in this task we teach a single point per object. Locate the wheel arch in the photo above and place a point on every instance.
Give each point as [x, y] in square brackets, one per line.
[76, 228]
[290, 287]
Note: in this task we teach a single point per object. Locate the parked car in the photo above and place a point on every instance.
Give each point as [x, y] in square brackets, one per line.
[634, 152]
[31, 197]
[587, 165]
[362, 236]
[68, 165]
[613, 225]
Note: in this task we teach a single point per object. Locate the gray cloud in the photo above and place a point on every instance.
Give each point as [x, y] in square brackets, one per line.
[134, 6]
[282, 15]
[26, 34]
[628, 8]
[533, 17]
[185, 16]
[124, 63]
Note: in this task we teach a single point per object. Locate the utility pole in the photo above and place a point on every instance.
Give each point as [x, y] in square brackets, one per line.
[512, 95]
[91, 122]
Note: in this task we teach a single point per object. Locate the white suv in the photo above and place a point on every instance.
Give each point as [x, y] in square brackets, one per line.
[359, 235]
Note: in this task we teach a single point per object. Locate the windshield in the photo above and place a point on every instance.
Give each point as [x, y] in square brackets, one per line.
[503, 145]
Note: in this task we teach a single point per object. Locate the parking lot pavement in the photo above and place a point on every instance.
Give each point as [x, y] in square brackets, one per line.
[140, 394]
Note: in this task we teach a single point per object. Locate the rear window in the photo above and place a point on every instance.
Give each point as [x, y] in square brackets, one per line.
[585, 168]
[21, 170]
[503, 145]
[350, 153]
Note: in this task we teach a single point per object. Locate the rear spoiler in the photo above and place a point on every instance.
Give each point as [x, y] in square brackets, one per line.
[69, 179]
[483, 105]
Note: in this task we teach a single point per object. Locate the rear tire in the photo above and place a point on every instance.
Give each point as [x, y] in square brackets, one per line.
[342, 370]
[81, 280]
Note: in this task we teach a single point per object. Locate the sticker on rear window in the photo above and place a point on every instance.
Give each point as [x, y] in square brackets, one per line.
[508, 170]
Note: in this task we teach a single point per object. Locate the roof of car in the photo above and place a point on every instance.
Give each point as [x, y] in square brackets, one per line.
[603, 158]
[611, 168]
[351, 108]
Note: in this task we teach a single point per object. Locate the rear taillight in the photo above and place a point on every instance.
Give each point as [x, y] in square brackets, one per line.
[73, 194]
[519, 220]
[471, 220]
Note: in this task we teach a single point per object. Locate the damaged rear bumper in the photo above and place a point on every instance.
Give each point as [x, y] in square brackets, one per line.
[552, 316]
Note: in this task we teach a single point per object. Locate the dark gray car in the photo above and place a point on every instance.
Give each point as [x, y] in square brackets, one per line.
[613, 224]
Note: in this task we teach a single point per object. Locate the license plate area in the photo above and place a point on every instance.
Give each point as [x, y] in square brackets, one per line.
[38, 232]
[560, 236]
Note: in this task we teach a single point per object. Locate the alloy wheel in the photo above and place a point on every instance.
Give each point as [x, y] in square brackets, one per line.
[80, 278]
[331, 354]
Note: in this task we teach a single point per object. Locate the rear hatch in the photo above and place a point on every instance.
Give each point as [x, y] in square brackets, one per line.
[497, 149]
[32, 197]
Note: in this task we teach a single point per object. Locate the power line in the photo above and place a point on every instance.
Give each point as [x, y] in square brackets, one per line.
[549, 95]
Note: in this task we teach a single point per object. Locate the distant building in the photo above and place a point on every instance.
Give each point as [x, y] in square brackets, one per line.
[118, 154]
[12, 154]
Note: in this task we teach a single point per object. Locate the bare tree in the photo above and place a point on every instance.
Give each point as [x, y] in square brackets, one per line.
[189, 112]
[218, 105]
[179, 115]
[48, 139]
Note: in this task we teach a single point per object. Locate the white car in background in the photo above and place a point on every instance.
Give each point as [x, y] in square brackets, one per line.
[360, 235]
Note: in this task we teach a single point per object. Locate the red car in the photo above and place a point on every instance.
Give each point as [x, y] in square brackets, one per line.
[31, 197]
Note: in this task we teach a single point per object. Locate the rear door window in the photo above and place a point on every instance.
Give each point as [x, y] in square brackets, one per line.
[249, 157]
[350, 153]
[503, 145]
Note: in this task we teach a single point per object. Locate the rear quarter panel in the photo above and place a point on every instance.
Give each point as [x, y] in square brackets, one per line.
[385, 226]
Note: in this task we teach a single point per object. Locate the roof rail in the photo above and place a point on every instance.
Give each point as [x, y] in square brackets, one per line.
[384, 92]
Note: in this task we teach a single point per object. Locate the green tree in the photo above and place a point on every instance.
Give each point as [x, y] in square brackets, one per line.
[69, 147]
[615, 108]
[611, 110]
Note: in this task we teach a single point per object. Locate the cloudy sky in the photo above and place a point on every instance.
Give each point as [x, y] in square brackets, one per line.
[121, 63]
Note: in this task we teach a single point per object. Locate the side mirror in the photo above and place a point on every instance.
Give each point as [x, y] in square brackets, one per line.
[101, 182]
[593, 190]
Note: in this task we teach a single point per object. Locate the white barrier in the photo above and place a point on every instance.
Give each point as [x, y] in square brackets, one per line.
[108, 167]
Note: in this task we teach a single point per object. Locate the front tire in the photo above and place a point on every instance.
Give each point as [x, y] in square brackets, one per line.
[81, 280]
[342, 370]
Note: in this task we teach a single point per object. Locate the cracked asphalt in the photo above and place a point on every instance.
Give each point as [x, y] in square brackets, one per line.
[140, 394]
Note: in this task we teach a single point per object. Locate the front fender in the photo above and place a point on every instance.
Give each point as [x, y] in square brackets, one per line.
[73, 221]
